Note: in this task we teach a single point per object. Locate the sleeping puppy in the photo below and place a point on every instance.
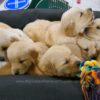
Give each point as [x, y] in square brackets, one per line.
[7, 37]
[88, 48]
[75, 20]
[92, 33]
[3, 25]
[60, 60]
[24, 54]
[72, 23]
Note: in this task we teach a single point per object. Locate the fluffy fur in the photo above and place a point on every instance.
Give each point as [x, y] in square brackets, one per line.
[87, 47]
[92, 33]
[36, 30]
[25, 54]
[5, 69]
[28, 54]
[59, 60]
[3, 25]
[73, 22]
[7, 37]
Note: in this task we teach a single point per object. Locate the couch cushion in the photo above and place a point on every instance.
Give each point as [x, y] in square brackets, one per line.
[20, 18]
[38, 88]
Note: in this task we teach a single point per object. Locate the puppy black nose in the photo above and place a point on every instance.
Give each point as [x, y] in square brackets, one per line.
[2, 59]
[78, 63]
[93, 57]
[16, 73]
[86, 29]
[90, 9]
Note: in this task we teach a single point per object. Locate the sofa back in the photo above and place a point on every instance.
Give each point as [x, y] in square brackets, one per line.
[19, 18]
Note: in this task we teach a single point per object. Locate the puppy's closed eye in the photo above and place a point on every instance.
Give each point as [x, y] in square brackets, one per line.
[21, 61]
[98, 27]
[86, 49]
[66, 62]
[4, 48]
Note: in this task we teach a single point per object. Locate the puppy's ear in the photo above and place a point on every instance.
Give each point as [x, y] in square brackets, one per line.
[13, 39]
[69, 29]
[67, 24]
[34, 54]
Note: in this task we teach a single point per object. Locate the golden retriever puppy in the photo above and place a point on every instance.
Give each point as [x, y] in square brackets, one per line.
[24, 54]
[72, 23]
[3, 25]
[75, 20]
[53, 60]
[7, 37]
[59, 60]
[92, 33]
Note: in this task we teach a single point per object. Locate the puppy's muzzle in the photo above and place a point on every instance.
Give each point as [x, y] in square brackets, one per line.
[16, 73]
[94, 57]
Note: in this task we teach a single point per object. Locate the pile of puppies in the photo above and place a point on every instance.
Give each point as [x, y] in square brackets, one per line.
[50, 48]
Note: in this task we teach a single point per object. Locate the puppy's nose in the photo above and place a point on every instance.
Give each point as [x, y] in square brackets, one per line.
[2, 59]
[93, 57]
[86, 29]
[78, 63]
[89, 9]
[16, 73]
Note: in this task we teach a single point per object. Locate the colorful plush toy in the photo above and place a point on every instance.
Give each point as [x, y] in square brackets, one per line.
[90, 79]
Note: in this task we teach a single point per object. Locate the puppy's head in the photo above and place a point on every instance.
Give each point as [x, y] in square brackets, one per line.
[93, 29]
[22, 55]
[75, 20]
[59, 61]
[7, 37]
[88, 48]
